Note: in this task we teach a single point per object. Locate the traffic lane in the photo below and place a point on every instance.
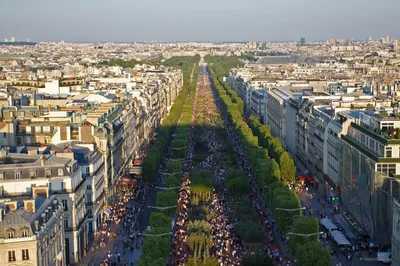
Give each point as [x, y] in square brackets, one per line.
[145, 213]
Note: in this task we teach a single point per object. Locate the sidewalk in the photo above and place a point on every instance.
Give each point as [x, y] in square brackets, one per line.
[320, 206]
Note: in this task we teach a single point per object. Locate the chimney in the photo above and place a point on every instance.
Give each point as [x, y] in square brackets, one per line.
[42, 160]
[36, 225]
[33, 151]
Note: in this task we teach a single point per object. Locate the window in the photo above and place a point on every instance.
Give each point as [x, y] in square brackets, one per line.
[21, 113]
[25, 233]
[387, 169]
[25, 254]
[17, 175]
[363, 139]
[46, 129]
[10, 234]
[65, 222]
[65, 204]
[38, 129]
[388, 153]
[48, 172]
[4, 135]
[87, 170]
[60, 172]
[1, 176]
[33, 174]
[90, 214]
[89, 198]
[89, 187]
[28, 130]
[11, 255]
[371, 144]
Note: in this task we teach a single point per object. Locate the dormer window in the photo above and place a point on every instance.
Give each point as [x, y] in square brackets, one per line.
[48, 173]
[60, 172]
[33, 174]
[17, 175]
[10, 234]
[24, 233]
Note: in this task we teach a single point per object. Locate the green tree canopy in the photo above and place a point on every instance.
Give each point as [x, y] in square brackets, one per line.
[313, 254]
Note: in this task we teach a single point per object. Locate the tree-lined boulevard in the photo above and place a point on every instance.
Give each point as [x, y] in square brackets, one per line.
[219, 186]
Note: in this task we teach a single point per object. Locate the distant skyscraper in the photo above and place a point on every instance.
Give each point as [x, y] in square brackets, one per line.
[5, 40]
[13, 39]
[303, 41]
[28, 40]
[387, 39]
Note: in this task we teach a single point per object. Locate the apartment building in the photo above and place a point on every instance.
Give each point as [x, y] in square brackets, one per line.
[25, 175]
[275, 117]
[396, 233]
[369, 167]
[90, 160]
[34, 235]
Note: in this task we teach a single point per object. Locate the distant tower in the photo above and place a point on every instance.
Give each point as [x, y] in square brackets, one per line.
[28, 40]
[387, 39]
[303, 42]
[13, 39]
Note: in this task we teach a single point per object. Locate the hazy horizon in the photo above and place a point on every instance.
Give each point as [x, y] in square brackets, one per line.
[213, 21]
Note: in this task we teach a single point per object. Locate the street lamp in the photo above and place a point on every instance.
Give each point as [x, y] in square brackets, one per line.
[291, 210]
[162, 208]
[306, 235]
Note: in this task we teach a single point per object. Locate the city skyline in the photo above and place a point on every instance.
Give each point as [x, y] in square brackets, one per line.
[124, 21]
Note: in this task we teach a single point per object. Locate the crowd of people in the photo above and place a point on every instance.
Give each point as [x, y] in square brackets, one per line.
[228, 248]
[122, 223]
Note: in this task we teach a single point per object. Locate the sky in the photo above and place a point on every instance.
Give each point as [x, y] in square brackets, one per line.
[201, 20]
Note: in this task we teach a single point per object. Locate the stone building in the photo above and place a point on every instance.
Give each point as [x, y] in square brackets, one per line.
[30, 236]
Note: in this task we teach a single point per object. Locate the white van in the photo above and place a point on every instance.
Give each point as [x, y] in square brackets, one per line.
[384, 257]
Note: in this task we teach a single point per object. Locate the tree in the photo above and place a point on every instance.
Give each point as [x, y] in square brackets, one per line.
[286, 165]
[313, 254]
[174, 166]
[167, 199]
[161, 221]
[238, 185]
[303, 225]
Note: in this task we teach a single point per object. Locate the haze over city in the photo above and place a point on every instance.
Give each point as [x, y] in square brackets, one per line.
[199, 133]
[207, 20]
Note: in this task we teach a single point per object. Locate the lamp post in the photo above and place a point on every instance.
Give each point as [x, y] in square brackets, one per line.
[291, 210]
[305, 235]
[162, 208]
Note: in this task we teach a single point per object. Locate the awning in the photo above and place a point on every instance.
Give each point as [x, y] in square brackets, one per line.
[340, 238]
[328, 224]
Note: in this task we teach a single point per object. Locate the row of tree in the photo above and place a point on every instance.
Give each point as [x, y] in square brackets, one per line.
[156, 249]
[157, 151]
[273, 169]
